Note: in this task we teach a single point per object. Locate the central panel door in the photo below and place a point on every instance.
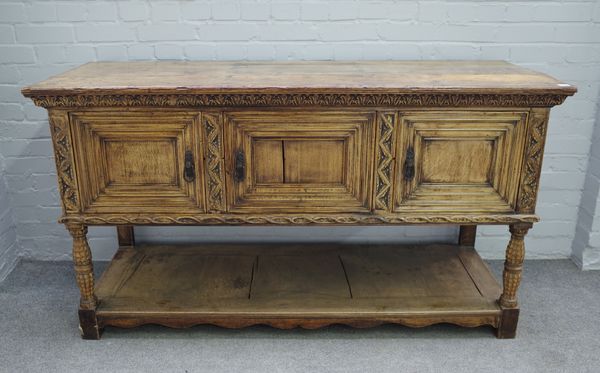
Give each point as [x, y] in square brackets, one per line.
[299, 161]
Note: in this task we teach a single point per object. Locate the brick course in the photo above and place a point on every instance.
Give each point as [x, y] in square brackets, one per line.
[39, 39]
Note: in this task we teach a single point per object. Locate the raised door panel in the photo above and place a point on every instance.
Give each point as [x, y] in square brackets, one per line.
[459, 161]
[283, 162]
[135, 161]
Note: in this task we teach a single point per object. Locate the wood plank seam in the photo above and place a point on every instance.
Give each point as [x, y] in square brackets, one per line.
[254, 270]
[346, 276]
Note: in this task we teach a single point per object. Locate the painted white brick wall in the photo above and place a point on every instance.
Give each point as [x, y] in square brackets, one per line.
[42, 38]
[8, 234]
[586, 245]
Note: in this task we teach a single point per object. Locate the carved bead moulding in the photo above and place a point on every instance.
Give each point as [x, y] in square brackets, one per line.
[230, 219]
[300, 99]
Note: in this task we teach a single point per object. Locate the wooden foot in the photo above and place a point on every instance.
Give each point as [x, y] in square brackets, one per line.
[466, 235]
[508, 324]
[88, 324]
[125, 235]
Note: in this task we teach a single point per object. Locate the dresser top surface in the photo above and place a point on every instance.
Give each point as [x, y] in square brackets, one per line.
[136, 77]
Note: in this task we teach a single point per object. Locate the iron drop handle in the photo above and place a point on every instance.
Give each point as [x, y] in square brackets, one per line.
[239, 172]
[409, 164]
[189, 170]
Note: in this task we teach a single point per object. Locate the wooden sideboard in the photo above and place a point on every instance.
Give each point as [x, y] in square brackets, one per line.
[290, 144]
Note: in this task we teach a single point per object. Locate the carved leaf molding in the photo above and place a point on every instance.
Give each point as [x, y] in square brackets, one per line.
[533, 160]
[301, 99]
[215, 219]
[67, 181]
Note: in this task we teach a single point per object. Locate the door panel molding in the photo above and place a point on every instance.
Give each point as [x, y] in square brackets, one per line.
[465, 161]
[311, 161]
[134, 161]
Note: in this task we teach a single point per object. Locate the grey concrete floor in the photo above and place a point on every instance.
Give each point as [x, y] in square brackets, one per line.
[559, 331]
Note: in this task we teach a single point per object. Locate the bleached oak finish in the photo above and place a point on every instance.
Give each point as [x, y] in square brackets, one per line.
[298, 143]
[143, 77]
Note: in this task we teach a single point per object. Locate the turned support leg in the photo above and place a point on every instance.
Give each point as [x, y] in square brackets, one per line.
[466, 235]
[84, 273]
[511, 278]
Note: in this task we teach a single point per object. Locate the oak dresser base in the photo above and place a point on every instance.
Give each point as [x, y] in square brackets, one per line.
[298, 143]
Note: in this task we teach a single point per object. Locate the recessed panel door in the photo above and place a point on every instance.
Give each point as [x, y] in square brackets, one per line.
[138, 161]
[459, 161]
[299, 162]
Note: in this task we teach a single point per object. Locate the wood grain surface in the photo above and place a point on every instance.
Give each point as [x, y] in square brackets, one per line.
[213, 76]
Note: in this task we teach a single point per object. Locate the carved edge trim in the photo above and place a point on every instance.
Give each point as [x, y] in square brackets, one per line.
[385, 159]
[214, 219]
[301, 99]
[63, 156]
[532, 168]
[215, 179]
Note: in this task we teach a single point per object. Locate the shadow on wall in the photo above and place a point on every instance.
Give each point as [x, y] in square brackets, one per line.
[586, 243]
[298, 234]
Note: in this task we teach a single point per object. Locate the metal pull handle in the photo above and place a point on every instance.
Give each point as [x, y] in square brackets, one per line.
[239, 172]
[409, 164]
[189, 170]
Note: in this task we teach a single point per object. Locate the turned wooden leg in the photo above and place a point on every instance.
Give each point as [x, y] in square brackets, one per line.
[84, 272]
[511, 278]
[466, 235]
[125, 235]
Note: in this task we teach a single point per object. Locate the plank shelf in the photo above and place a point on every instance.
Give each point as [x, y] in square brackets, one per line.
[297, 285]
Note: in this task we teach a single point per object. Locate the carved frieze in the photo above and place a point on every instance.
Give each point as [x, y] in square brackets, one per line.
[231, 219]
[301, 99]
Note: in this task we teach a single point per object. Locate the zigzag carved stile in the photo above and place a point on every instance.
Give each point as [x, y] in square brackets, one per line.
[63, 156]
[213, 132]
[385, 159]
[538, 123]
